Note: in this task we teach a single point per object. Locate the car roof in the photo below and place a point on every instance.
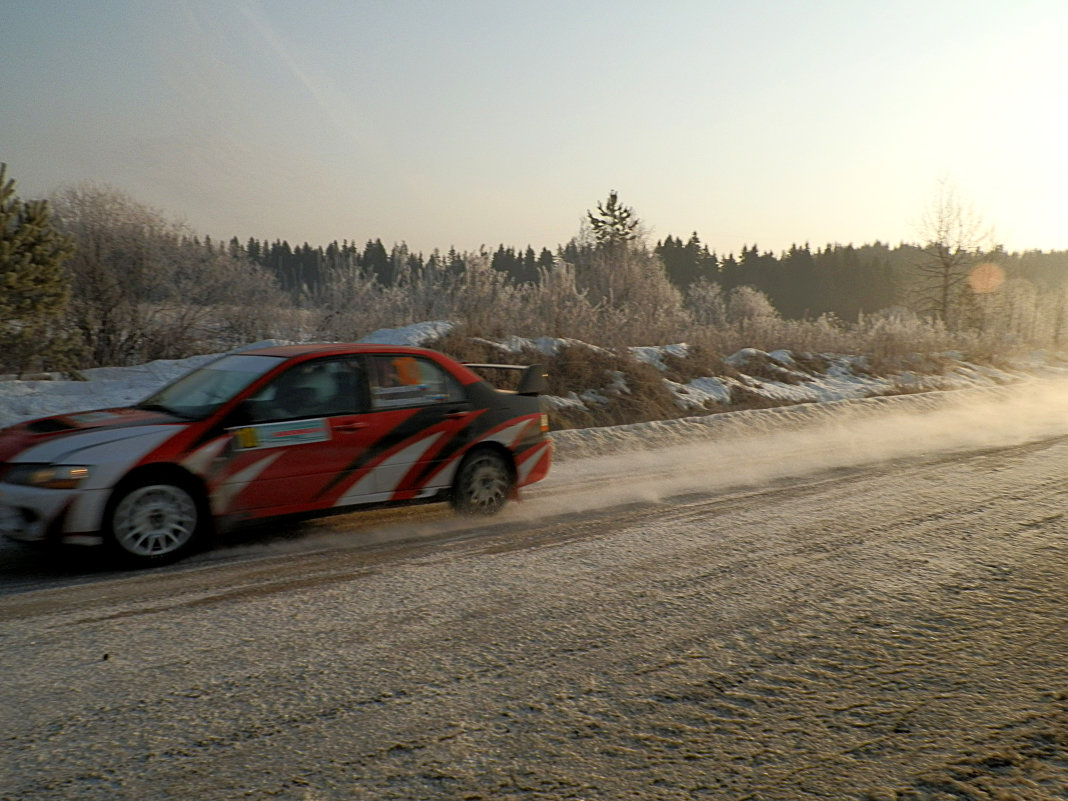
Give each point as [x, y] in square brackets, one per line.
[311, 350]
[326, 348]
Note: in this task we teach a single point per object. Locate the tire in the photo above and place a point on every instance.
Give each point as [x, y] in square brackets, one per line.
[154, 522]
[483, 484]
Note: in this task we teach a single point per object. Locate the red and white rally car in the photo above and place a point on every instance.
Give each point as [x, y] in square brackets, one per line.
[301, 429]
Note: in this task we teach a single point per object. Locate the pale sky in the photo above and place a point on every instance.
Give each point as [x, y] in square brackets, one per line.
[479, 122]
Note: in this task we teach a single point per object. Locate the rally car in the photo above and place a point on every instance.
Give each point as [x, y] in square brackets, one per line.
[288, 430]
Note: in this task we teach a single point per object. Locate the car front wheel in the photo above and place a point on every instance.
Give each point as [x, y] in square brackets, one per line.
[154, 523]
[483, 484]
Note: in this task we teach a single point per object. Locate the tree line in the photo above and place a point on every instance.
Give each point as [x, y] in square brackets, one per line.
[801, 282]
[301, 269]
[91, 277]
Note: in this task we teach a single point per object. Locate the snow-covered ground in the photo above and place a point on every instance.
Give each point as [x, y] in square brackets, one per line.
[895, 632]
[819, 636]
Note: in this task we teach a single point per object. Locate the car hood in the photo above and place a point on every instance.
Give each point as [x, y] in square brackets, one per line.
[70, 432]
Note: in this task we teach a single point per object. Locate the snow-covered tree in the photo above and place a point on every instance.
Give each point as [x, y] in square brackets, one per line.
[145, 288]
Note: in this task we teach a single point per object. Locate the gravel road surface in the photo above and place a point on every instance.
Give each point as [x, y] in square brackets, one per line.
[895, 630]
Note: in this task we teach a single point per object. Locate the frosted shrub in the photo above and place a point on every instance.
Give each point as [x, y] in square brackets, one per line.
[344, 305]
[145, 288]
[706, 303]
[485, 299]
[555, 306]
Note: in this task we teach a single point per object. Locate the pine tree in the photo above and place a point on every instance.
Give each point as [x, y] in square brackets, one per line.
[34, 287]
[375, 261]
[504, 260]
[546, 260]
[686, 263]
[613, 225]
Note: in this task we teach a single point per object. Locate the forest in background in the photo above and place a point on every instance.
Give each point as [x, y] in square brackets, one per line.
[92, 277]
[800, 282]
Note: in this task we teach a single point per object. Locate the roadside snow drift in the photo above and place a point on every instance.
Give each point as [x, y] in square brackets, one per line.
[779, 376]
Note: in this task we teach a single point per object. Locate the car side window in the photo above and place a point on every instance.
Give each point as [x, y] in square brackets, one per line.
[400, 380]
[312, 389]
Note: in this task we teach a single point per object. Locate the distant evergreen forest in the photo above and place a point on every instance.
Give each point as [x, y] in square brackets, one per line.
[801, 283]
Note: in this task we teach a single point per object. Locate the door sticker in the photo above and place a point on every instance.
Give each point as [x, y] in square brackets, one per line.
[289, 432]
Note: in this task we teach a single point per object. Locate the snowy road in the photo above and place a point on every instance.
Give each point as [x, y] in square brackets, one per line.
[871, 610]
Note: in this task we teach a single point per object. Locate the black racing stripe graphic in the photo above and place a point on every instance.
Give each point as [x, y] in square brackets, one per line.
[493, 418]
[204, 437]
[420, 421]
[460, 440]
[489, 414]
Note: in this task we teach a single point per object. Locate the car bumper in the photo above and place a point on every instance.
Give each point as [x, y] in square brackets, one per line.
[534, 464]
[31, 514]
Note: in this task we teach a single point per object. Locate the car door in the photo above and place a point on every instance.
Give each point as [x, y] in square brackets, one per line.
[421, 414]
[305, 431]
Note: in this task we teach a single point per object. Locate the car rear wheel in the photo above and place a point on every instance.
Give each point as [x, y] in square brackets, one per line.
[154, 522]
[483, 484]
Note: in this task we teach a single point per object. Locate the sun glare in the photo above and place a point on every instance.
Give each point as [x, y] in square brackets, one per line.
[986, 278]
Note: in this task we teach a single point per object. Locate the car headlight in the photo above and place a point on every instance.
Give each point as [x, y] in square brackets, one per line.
[49, 476]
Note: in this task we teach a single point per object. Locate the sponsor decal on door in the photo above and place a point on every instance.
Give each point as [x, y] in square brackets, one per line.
[289, 432]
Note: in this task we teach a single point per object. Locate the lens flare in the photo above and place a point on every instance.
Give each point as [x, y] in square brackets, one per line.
[986, 278]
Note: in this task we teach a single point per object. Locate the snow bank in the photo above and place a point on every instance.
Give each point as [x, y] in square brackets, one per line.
[779, 376]
[417, 334]
[586, 442]
[841, 389]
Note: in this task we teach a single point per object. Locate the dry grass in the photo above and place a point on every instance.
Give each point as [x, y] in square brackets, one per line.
[611, 387]
[615, 388]
[624, 389]
[701, 360]
[811, 363]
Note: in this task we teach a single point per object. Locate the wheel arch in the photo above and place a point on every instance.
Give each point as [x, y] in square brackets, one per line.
[490, 445]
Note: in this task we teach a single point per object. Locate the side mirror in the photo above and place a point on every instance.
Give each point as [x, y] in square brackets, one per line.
[533, 381]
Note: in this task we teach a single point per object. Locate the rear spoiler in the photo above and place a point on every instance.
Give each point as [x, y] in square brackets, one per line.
[533, 381]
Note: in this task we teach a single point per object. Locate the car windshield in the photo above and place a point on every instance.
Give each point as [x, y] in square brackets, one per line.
[197, 394]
